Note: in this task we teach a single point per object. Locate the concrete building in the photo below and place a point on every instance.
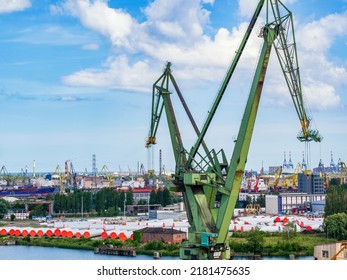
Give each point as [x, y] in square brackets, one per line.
[335, 251]
[311, 183]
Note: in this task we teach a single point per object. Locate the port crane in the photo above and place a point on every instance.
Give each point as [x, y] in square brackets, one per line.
[106, 173]
[210, 183]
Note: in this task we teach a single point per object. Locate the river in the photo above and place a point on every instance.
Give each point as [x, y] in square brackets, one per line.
[47, 253]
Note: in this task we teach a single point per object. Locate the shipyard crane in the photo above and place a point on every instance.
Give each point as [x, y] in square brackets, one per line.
[62, 180]
[210, 183]
[104, 171]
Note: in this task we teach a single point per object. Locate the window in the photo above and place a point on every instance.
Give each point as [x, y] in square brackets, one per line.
[325, 254]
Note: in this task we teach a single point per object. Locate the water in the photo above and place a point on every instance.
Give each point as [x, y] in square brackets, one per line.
[48, 253]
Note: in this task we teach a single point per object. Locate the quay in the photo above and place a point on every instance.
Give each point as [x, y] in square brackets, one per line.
[121, 251]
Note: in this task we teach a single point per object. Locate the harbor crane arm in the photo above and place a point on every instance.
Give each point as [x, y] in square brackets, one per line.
[225, 82]
[161, 100]
[285, 47]
[160, 90]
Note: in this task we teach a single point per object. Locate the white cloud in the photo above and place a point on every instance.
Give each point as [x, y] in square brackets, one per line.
[117, 73]
[9, 6]
[175, 31]
[321, 96]
[318, 36]
[112, 23]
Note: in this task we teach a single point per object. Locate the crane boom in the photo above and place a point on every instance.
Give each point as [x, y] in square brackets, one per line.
[225, 82]
[286, 52]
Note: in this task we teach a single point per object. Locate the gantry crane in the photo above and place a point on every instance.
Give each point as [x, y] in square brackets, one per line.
[210, 183]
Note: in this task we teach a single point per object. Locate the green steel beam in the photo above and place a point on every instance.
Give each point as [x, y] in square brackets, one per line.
[239, 156]
[225, 83]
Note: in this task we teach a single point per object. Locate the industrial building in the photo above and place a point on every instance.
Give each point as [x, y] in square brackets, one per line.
[331, 251]
[311, 183]
[289, 202]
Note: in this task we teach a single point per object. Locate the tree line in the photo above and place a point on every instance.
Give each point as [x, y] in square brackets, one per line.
[335, 212]
[107, 201]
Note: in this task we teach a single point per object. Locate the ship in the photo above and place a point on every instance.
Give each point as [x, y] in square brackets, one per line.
[26, 191]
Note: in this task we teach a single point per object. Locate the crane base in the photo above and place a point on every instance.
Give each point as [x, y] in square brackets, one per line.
[205, 253]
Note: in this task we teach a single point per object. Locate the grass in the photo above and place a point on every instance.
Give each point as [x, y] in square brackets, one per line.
[280, 244]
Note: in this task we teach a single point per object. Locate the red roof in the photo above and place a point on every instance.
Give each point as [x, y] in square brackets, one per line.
[140, 190]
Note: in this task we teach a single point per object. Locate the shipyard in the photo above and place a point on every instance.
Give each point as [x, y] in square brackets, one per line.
[183, 132]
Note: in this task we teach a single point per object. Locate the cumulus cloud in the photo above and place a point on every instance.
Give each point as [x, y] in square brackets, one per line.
[319, 35]
[117, 73]
[9, 6]
[321, 96]
[114, 24]
[176, 31]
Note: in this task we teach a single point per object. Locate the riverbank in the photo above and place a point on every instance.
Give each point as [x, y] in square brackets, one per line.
[90, 244]
[272, 244]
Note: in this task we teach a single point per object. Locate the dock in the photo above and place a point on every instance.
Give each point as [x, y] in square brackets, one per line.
[121, 251]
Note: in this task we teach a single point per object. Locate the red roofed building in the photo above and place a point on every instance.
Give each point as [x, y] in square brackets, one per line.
[167, 235]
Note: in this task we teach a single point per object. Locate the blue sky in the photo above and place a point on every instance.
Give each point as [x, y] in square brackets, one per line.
[76, 79]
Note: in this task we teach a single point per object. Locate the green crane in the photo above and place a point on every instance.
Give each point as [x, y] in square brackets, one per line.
[210, 183]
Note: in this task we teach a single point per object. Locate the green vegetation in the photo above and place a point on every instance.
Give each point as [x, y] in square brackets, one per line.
[335, 226]
[72, 202]
[336, 200]
[277, 244]
[4, 206]
[160, 196]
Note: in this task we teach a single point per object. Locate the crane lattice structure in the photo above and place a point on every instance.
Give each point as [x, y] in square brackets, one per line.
[210, 183]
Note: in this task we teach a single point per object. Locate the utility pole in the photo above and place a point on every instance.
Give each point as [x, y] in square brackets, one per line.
[125, 199]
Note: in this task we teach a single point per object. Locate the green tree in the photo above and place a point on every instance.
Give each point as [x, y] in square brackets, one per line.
[4, 206]
[260, 200]
[130, 197]
[38, 210]
[166, 197]
[336, 201]
[255, 241]
[159, 196]
[335, 226]
[142, 202]
[100, 202]
[153, 197]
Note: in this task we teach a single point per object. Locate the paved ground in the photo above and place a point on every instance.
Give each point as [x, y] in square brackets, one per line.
[20, 223]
